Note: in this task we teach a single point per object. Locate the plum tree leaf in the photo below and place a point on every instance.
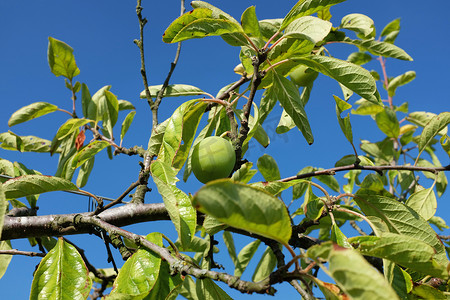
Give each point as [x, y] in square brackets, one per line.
[250, 22]
[388, 123]
[423, 202]
[352, 76]
[70, 126]
[30, 112]
[268, 167]
[4, 259]
[140, 272]
[380, 48]
[61, 59]
[61, 274]
[399, 81]
[311, 28]
[127, 123]
[244, 207]
[306, 8]
[89, 151]
[173, 90]
[433, 127]
[265, 266]
[359, 23]
[199, 23]
[27, 185]
[29, 143]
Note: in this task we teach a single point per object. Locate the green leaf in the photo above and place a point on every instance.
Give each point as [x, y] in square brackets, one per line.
[352, 76]
[265, 266]
[30, 112]
[4, 259]
[366, 108]
[388, 123]
[61, 274]
[250, 22]
[308, 27]
[126, 124]
[70, 126]
[425, 291]
[167, 285]
[401, 219]
[11, 141]
[380, 48]
[390, 31]
[140, 272]
[180, 210]
[245, 173]
[433, 128]
[269, 27]
[110, 111]
[61, 59]
[339, 238]
[268, 167]
[244, 207]
[261, 135]
[358, 23]
[85, 171]
[372, 182]
[423, 202]
[164, 171]
[35, 184]
[287, 93]
[173, 90]
[438, 222]
[359, 58]
[306, 8]
[285, 124]
[88, 152]
[399, 81]
[244, 257]
[403, 250]
[126, 105]
[357, 278]
[344, 123]
[86, 103]
[208, 289]
[199, 23]
[155, 141]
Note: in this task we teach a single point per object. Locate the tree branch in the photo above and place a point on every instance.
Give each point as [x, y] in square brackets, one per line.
[18, 252]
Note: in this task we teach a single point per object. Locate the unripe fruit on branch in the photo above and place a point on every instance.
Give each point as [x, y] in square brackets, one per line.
[212, 158]
[303, 76]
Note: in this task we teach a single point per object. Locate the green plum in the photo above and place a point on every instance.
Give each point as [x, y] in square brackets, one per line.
[303, 76]
[212, 158]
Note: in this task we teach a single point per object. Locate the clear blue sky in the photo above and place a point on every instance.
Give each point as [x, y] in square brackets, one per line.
[102, 32]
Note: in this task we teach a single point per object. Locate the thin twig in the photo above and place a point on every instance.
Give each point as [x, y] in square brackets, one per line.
[118, 200]
[19, 252]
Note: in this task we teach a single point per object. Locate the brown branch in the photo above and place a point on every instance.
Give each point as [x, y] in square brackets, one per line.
[118, 200]
[378, 169]
[18, 252]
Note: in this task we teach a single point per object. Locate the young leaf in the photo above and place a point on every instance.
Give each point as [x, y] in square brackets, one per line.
[359, 58]
[356, 277]
[359, 23]
[391, 31]
[250, 22]
[173, 90]
[140, 272]
[61, 59]
[366, 108]
[265, 266]
[88, 152]
[344, 123]
[380, 48]
[85, 171]
[155, 141]
[4, 259]
[306, 8]
[350, 75]
[126, 124]
[287, 93]
[339, 238]
[245, 173]
[244, 207]
[35, 184]
[268, 167]
[61, 274]
[399, 81]
[30, 112]
[308, 27]
[388, 123]
[110, 111]
[244, 257]
[423, 202]
[434, 127]
[403, 220]
[180, 210]
[70, 126]
[199, 23]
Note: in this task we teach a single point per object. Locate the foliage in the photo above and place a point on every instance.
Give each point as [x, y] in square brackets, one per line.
[410, 259]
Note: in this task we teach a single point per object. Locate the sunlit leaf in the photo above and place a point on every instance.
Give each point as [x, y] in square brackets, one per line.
[30, 112]
[308, 27]
[88, 152]
[244, 257]
[380, 48]
[388, 123]
[250, 22]
[126, 124]
[140, 272]
[268, 167]
[434, 127]
[265, 266]
[244, 207]
[352, 76]
[85, 171]
[359, 58]
[306, 8]
[61, 274]
[359, 23]
[11, 141]
[173, 90]
[35, 184]
[423, 202]
[61, 59]
[4, 259]
[399, 81]
[71, 126]
[339, 238]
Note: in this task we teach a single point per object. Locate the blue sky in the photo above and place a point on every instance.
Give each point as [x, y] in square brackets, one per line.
[102, 32]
